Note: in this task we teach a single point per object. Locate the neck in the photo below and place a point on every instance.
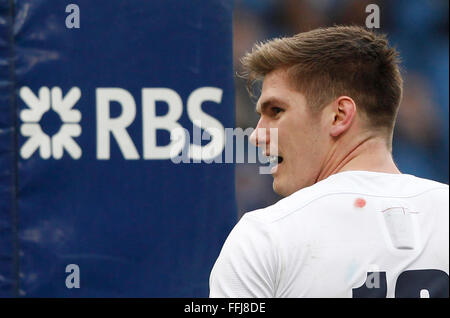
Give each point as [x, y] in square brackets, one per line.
[367, 153]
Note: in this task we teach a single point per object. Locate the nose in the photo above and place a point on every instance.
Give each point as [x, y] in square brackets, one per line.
[260, 136]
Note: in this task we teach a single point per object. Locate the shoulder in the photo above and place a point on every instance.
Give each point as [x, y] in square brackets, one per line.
[353, 183]
[297, 202]
[251, 230]
[431, 185]
[248, 264]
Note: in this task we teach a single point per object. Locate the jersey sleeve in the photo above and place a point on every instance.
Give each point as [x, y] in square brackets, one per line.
[248, 264]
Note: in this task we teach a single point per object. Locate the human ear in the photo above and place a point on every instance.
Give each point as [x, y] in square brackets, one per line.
[344, 111]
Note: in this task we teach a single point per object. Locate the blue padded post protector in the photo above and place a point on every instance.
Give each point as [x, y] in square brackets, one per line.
[88, 96]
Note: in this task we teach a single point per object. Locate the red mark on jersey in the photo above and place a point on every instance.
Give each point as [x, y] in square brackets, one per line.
[360, 203]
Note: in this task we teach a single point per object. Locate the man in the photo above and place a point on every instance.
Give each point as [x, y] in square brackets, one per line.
[351, 224]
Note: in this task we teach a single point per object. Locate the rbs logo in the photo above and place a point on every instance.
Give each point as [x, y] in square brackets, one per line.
[38, 106]
[108, 127]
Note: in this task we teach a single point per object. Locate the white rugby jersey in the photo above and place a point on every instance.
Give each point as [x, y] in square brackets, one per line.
[354, 234]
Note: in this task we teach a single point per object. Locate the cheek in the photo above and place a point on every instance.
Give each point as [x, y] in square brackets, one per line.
[306, 146]
[302, 140]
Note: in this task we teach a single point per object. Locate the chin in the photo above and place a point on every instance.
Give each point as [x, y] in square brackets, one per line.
[280, 189]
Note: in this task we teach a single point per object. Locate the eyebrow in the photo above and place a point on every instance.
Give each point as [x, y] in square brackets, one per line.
[260, 107]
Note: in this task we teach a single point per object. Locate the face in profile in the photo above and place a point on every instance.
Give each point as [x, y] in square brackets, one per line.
[302, 141]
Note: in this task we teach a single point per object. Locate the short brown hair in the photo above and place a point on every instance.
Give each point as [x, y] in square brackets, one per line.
[326, 63]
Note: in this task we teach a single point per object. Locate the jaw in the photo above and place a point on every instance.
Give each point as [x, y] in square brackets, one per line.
[281, 180]
[287, 180]
[279, 188]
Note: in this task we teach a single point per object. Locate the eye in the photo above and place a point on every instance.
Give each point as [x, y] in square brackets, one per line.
[276, 110]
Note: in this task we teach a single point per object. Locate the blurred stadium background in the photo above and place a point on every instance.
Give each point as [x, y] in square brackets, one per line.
[419, 30]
